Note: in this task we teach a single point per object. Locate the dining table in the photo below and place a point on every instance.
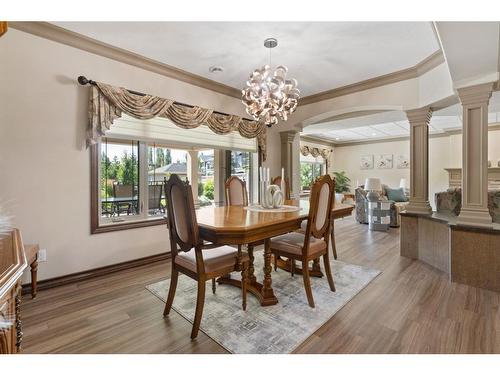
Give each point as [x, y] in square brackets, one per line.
[239, 225]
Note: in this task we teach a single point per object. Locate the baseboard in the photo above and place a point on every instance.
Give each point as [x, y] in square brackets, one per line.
[89, 274]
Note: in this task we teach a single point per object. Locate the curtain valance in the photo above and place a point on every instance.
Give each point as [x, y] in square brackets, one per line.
[108, 102]
[315, 152]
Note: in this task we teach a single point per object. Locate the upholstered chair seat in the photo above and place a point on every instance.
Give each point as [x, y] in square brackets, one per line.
[312, 243]
[292, 243]
[192, 256]
[214, 260]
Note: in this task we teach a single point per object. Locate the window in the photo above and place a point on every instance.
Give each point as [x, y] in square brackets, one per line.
[130, 177]
[240, 163]
[119, 182]
[206, 182]
[130, 165]
[309, 171]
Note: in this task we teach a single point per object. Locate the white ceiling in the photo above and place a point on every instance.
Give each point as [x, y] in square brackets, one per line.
[471, 50]
[394, 124]
[320, 55]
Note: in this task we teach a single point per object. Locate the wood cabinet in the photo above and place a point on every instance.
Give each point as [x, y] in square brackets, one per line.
[12, 265]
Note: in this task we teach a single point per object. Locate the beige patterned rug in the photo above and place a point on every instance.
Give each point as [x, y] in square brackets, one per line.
[273, 329]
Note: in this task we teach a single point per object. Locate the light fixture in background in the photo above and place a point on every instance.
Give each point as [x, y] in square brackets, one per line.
[373, 186]
[268, 95]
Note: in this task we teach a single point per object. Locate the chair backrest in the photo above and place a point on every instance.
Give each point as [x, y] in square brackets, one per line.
[320, 207]
[154, 196]
[277, 181]
[181, 215]
[123, 191]
[236, 192]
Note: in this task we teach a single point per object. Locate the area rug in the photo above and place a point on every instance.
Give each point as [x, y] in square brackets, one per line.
[272, 329]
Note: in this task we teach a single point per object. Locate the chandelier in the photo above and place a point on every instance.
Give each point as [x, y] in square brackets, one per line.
[269, 95]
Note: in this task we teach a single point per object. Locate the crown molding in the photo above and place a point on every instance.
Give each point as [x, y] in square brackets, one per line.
[60, 35]
[434, 60]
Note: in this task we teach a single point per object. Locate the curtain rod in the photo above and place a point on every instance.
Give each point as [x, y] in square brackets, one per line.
[82, 80]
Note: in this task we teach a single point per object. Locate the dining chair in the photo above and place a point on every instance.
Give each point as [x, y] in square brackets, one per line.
[236, 192]
[277, 181]
[154, 198]
[123, 191]
[312, 244]
[190, 256]
[237, 195]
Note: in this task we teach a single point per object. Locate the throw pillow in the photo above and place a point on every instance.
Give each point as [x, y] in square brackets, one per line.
[396, 195]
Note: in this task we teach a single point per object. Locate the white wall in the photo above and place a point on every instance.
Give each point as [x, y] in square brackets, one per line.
[444, 152]
[44, 167]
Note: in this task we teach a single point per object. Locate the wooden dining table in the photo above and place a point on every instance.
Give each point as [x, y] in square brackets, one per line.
[237, 225]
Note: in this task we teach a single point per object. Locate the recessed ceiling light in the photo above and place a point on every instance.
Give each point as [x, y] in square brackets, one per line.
[337, 139]
[215, 69]
[374, 134]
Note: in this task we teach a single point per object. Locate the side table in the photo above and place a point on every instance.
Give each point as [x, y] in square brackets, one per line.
[379, 215]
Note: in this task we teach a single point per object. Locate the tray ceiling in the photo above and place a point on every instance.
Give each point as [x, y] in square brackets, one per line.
[320, 55]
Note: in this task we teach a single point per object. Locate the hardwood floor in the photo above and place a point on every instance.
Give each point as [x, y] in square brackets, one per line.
[409, 308]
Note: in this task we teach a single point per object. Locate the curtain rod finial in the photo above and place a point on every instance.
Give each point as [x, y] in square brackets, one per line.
[82, 80]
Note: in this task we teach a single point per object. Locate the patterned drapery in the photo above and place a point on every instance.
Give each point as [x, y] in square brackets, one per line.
[108, 102]
[315, 152]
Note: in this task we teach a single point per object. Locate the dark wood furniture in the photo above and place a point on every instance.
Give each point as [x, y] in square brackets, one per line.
[236, 192]
[31, 252]
[339, 211]
[313, 243]
[286, 193]
[236, 225]
[12, 265]
[190, 255]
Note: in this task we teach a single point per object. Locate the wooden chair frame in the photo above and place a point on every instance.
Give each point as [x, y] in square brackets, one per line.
[322, 233]
[227, 187]
[178, 244]
[277, 181]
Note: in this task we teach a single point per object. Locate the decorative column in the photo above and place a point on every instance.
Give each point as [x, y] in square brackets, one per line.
[219, 176]
[192, 174]
[290, 158]
[475, 101]
[419, 160]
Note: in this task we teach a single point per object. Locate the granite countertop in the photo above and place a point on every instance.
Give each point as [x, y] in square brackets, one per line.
[451, 220]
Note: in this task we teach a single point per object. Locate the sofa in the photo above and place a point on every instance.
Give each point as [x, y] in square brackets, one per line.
[450, 202]
[362, 206]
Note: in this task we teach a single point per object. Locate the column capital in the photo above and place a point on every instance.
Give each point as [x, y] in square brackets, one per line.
[477, 94]
[419, 116]
[288, 136]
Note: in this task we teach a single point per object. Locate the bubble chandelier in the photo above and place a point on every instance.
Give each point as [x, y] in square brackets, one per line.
[268, 95]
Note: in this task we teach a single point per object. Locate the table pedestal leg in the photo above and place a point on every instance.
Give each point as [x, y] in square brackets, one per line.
[264, 292]
[267, 291]
[251, 271]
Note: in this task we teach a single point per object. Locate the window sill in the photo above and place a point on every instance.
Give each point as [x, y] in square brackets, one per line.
[113, 227]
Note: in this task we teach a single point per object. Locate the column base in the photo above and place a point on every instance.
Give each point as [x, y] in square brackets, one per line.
[416, 207]
[475, 217]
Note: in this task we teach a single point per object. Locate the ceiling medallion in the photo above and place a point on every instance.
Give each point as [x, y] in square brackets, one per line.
[269, 94]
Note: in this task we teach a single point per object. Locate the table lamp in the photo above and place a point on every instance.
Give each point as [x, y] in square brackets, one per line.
[403, 184]
[373, 186]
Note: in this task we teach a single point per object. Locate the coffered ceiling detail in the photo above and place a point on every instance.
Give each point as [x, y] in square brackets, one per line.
[393, 124]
